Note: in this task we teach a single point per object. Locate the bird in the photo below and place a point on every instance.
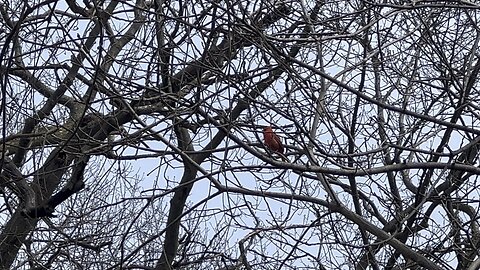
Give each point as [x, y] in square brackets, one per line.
[272, 141]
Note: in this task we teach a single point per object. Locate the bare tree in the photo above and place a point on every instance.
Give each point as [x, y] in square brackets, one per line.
[132, 134]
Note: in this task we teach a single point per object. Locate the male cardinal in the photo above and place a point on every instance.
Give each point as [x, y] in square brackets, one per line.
[272, 141]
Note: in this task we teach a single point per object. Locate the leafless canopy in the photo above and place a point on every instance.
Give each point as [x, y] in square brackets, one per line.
[132, 134]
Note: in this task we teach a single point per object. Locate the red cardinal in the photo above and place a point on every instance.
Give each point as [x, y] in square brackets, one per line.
[272, 141]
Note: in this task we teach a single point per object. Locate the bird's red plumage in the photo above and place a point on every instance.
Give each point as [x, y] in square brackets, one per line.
[272, 141]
